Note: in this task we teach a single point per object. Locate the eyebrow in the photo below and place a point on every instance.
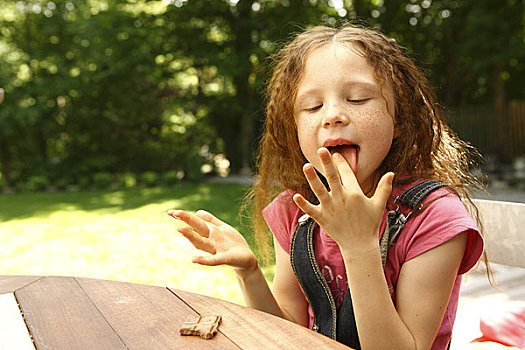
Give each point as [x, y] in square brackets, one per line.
[369, 85]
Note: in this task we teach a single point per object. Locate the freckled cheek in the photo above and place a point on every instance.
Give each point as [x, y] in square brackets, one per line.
[308, 142]
[304, 136]
[378, 127]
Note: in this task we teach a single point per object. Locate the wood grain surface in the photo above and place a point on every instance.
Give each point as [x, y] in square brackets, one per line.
[81, 313]
[9, 284]
[146, 317]
[253, 329]
[60, 315]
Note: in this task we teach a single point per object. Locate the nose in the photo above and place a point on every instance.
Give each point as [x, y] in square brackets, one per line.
[335, 115]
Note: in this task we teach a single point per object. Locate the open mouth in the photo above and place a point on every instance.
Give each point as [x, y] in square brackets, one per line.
[340, 145]
[341, 148]
[347, 149]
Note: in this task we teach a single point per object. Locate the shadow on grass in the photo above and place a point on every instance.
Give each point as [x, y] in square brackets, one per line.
[223, 200]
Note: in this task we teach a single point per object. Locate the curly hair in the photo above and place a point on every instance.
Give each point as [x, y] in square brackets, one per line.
[433, 152]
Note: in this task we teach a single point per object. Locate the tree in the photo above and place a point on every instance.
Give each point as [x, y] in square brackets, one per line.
[135, 85]
[233, 39]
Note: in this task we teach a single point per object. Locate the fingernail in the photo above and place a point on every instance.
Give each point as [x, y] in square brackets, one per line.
[201, 211]
[174, 213]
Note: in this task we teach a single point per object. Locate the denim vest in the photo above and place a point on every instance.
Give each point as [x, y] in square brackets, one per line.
[339, 323]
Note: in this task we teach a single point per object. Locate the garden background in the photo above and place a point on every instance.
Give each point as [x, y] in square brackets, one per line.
[117, 110]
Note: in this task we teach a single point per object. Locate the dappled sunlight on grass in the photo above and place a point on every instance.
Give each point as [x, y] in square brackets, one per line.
[127, 236]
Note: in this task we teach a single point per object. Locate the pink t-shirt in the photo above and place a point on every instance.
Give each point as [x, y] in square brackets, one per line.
[441, 220]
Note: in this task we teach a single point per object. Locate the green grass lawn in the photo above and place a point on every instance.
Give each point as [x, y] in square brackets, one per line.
[120, 235]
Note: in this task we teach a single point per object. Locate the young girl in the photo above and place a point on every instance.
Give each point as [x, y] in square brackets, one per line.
[361, 254]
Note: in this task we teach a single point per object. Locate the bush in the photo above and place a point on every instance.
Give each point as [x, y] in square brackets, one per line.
[37, 183]
[127, 180]
[102, 180]
[84, 182]
[63, 182]
[194, 165]
[149, 178]
[171, 177]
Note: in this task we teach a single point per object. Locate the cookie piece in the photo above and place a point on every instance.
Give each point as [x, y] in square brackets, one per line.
[203, 326]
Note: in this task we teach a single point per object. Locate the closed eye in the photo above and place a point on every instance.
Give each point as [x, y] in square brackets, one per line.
[358, 102]
[314, 108]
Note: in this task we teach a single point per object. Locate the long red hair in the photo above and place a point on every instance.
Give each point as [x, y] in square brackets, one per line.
[425, 149]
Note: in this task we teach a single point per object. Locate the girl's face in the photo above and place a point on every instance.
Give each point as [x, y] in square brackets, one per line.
[340, 105]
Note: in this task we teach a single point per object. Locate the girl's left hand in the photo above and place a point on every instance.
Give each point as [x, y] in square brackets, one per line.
[347, 215]
[224, 243]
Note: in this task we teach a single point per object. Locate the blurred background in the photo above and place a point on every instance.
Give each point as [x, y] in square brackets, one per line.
[117, 92]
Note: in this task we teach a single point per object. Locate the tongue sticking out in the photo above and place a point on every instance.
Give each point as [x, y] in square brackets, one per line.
[349, 153]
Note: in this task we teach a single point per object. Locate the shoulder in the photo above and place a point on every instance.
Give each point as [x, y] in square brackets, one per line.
[443, 217]
[283, 204]
[282, 215]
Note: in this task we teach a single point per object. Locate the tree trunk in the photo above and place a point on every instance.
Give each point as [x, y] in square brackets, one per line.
[242, 28]
[4, 159]
[360, 9]
[247, 134]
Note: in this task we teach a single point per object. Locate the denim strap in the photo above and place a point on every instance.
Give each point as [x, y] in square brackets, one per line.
[311, 279]
[395, 220]
[413, 197]
[336, 323]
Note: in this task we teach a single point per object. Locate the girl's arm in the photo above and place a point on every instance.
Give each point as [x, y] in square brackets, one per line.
[424, 287]
[287, 300]
[287, 290]
[422, 294]
[228, 247]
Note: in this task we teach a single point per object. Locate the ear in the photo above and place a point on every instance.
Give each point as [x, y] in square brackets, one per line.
[391, 108]
[396, 130]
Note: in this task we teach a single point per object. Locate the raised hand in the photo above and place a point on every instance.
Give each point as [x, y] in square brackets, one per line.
[209, 234]
[347, 215]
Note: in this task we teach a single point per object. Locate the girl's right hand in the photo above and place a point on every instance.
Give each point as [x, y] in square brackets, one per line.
[225, 244]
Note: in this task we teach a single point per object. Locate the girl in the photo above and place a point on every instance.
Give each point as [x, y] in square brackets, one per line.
[367, 257]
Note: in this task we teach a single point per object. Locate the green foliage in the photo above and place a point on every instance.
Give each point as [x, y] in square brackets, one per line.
[194, 166]
[84, 182]
[128, 86]
[36, 183]
[127, 180]
[171, 177]
[149, 178]
[102, 180]
[63, 182]
[111, 107]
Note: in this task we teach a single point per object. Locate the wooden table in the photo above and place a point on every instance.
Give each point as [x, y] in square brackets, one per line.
[82, 313]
